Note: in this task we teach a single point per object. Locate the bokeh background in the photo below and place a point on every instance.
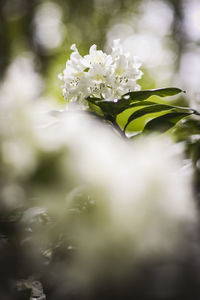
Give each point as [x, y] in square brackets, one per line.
[164, 34]
[35, 238]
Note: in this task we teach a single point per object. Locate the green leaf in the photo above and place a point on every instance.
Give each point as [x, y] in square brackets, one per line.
[115, 108]
[109, 110]
[93, 99]
[165, 122]
[147, 110]
[145, 94]
[95, 109]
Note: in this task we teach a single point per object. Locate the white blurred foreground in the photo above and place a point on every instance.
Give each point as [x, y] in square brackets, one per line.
[134, 198]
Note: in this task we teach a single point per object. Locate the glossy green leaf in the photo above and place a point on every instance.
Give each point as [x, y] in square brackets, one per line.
[115, 108]
[165, 122]
[95, 109]
[93, 99]
[147, 110]
[145, 94]
[128, 100]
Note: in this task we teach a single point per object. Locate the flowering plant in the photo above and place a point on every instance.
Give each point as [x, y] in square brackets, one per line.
[106, 84]
[100, 75]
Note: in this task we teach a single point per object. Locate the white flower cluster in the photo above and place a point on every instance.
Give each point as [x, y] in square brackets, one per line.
[101, 75]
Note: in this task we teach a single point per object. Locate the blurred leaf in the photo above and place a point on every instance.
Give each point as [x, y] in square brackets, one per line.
[189, 128]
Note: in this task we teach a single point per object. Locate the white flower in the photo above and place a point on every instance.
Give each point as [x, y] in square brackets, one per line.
[102, 75]
[96, 57]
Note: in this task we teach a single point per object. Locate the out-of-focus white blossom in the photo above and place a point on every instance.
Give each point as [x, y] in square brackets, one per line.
[147, 188]
[48, 18]
[23, 114]
[22, 82]
[101, 75]
[143, 196]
